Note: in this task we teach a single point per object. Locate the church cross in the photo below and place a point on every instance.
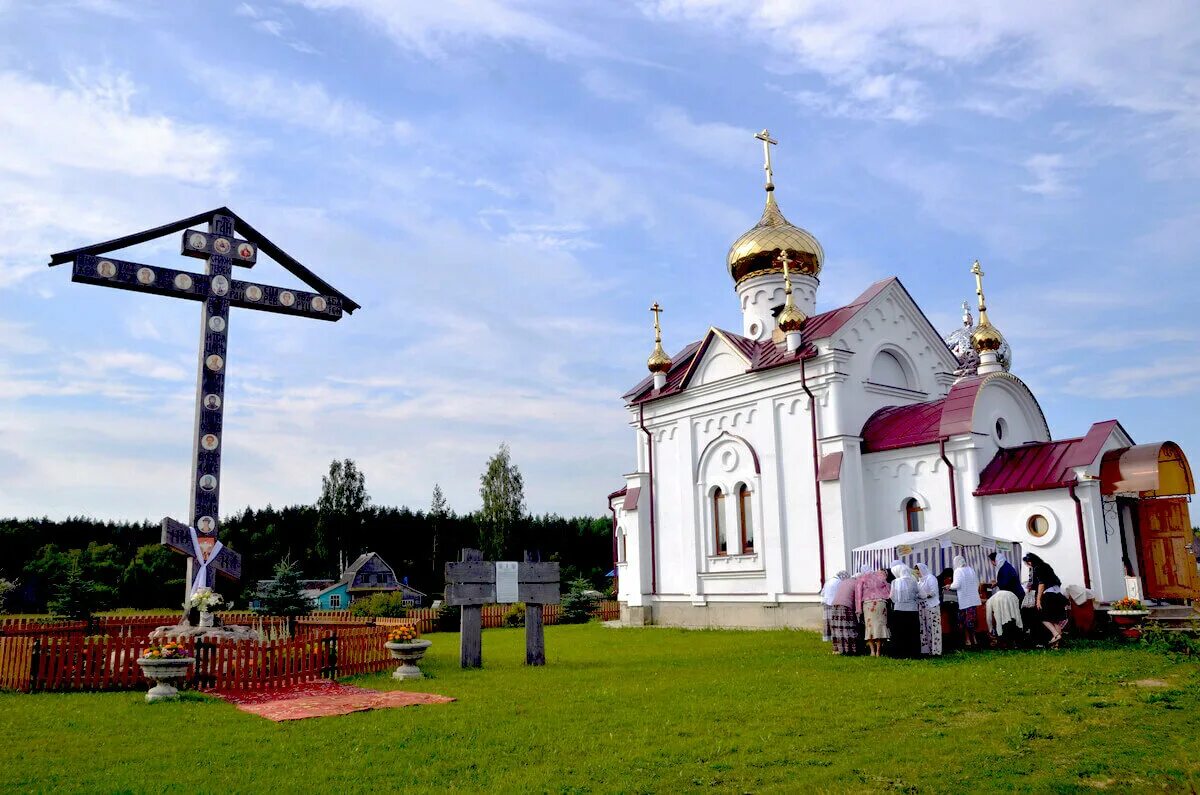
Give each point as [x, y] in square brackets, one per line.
[768, 142]
[978, 271]
[656, 309]
[217, 291]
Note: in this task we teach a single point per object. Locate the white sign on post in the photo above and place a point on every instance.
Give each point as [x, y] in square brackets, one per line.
[506, 582]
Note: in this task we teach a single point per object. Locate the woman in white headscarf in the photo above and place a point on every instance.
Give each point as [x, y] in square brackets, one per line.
[843, 628]
[827, 595]
[929, 611]
[871, 593]
[966, 585]
[905, 597]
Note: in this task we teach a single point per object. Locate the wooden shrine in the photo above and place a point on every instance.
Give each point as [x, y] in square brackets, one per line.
[473, 582]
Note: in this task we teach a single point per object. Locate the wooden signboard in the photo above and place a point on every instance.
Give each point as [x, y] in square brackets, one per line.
[473, 582]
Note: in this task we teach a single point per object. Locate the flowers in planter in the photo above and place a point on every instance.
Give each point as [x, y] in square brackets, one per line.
[1128, 603]
[204, 600]
[405, 633]
[166, 651]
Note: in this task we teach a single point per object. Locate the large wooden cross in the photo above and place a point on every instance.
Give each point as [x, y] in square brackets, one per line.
[222, 248]
[474, 582]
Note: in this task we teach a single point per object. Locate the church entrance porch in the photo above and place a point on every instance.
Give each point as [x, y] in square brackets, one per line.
[1151, 483]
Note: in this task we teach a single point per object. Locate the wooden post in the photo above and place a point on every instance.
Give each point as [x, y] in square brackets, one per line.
[471, 640]
[535, 633]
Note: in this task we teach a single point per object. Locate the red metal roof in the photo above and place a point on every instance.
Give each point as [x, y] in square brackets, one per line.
[762, 355]
[1042, 465]
[894, 427]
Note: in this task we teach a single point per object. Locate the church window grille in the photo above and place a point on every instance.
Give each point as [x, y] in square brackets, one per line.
[718, 510]
[746, 518]
[912, 516]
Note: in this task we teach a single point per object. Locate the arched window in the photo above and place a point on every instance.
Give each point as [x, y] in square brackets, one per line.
[746, 518]
[620, 546]
[718, 509]
[912, 516]
[888, 370]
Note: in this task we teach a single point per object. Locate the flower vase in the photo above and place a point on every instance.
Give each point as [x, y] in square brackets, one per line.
[1130, 621]
[164, 673]
[409, 654]
[206, 618]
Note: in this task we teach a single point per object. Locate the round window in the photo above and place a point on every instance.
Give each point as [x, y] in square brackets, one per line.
[1038, 525]
[754, 330]
[1001, 429]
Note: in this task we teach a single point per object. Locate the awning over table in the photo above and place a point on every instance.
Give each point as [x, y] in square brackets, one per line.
[936, 549]
[1159, 469]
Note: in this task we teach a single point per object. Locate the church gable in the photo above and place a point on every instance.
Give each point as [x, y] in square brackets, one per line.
[722, 355]
[896, 344]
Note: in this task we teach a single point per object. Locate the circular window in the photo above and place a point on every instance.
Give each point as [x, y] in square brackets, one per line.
[1001, 429]
[1038, 525]
[754, 330]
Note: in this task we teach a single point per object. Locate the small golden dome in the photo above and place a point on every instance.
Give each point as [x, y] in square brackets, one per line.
[757, 252]
[658, 362]
[791, 318]
[986, 338]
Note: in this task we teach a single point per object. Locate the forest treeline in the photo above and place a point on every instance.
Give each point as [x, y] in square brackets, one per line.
[131, 569]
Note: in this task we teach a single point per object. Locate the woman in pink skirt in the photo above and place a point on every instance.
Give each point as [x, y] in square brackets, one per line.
[871, 592]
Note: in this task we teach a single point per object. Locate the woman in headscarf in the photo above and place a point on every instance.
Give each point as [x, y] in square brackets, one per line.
[843, 627]
[1051, 604]
[1007, 578]
[929, 611]
[906, 634]
[966, 585]
[827, 595]
[950, 631]
[871, 592]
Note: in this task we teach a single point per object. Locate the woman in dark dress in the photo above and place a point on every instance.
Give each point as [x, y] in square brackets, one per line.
[1007, 578]
[1051, 603]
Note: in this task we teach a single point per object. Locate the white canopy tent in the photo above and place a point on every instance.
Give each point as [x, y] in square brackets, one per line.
[936, 549]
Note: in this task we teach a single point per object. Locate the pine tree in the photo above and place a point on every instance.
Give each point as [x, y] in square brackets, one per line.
[284, 596]
[438, 510]
[502, 490]
[75, 597]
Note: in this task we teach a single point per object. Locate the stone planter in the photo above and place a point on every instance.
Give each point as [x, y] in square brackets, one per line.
[409, 655]
[164, 673]
[1130, 621]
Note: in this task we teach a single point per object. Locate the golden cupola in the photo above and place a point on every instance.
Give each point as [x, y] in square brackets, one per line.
[659, 362]
[986, 339]
[790, 318]
[757, 251]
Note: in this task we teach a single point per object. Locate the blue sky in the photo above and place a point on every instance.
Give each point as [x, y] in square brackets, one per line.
[506, 186]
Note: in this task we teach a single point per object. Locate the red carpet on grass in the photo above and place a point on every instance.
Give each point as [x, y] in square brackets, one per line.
[320, 699]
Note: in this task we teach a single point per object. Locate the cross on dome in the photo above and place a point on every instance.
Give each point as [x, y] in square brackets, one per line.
[767, 142]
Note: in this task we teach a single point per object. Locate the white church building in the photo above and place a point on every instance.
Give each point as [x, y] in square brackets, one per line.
[765, 456]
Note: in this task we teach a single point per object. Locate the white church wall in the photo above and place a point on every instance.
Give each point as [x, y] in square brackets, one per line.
[797, 498]
[1008, 517]
[1007, 416]
[894, 477]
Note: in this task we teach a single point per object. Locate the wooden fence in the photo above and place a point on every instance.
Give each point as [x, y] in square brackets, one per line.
[269, 627]
[76, 662]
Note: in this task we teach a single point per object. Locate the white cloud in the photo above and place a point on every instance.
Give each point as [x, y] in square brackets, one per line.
[93, 126]
[1047, 171]
[433, 28]
[1158, 379]
[715, 140]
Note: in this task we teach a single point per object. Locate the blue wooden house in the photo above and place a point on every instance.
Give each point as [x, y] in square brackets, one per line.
[367, 575]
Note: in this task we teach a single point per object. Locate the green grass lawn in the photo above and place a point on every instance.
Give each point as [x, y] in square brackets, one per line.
[662, 710]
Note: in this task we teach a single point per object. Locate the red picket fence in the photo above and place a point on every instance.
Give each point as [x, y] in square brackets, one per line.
[75, 662]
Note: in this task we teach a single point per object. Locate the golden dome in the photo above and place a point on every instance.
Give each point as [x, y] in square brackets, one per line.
[791, 318]
[986, 337]
[658, 362]
[757, 252]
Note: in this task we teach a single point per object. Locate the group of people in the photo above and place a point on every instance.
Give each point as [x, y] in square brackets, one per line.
[913, 613]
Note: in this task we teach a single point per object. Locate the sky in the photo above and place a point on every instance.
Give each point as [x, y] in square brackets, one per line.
[506, 187]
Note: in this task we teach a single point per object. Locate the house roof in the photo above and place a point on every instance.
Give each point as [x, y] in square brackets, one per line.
[351, 570]
[895, 427]
[1043, 465]
[289, 263]
[763, 355]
